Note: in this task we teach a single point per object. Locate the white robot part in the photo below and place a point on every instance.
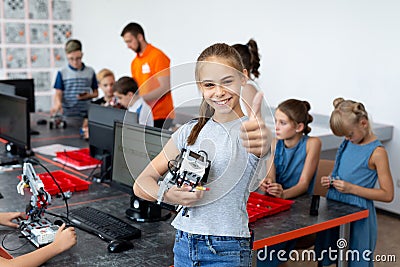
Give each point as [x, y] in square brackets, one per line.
[40, 198]
[36, 229]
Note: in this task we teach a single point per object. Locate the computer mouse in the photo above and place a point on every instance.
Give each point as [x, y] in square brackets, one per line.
[116, 246]
[60, 222]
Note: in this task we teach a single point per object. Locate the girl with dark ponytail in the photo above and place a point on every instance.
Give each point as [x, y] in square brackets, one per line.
[251, 61]
[296, 155]
[295, 162]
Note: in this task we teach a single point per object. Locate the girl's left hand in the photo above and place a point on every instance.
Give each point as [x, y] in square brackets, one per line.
[255, 135]
[342, 186]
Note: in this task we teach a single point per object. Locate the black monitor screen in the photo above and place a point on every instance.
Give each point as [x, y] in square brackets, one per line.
[101, 133]
[15, 121]
[24, 88]
[138, 145]
[101, 127]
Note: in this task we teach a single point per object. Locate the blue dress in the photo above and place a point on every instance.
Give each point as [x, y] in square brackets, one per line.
[351, 165]
[289, 164]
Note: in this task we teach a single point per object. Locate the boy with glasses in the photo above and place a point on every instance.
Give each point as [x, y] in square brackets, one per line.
[75, 84]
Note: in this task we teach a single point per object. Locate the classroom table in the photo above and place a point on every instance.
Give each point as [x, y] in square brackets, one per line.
[297, 222]
[154, 248]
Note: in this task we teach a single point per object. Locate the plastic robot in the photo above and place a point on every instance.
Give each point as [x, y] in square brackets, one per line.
[40, 198]
[57, 121]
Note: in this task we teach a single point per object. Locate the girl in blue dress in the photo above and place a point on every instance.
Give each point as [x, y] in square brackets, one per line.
[296, 155]
[295, 162]
[361, 161]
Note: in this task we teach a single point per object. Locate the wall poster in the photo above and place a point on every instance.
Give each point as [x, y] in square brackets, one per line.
[32, 38]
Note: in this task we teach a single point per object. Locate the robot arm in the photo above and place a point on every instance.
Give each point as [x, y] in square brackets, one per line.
[40, 198]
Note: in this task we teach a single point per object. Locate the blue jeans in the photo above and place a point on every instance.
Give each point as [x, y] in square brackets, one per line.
[206, 250]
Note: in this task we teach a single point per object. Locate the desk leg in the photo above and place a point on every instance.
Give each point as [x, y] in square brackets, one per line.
[254, 258]
[344, 233]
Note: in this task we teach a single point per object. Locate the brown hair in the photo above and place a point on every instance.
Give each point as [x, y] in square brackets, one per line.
[250, 56]
[124, 85]
[297, 112]
[134, 28]
[346, 112]
[233, 59]
[104, 73]
[73, 45]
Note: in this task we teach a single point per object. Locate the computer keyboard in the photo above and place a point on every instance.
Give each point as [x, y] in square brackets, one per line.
[103, 224]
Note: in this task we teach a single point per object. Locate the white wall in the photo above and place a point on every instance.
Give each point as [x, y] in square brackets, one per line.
[311, 49]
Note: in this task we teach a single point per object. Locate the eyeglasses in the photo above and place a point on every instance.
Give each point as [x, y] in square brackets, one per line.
[74, 58]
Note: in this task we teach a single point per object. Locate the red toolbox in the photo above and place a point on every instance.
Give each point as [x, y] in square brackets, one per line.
[79, 158]
[259, 206]
[67, 182]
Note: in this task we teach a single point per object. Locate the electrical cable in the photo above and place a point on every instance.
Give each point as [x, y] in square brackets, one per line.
[105, 173]
[171, 166]
[64, 218]
[89, 178]
[12, 249]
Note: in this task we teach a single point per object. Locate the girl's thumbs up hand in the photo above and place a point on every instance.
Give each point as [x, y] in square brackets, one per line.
[256, 137]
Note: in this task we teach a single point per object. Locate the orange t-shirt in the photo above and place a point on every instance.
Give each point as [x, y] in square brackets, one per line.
[145, 70]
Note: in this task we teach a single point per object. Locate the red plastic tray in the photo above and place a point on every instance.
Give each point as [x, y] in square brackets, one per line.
[67, 182]
[79, 157]
[259, 206]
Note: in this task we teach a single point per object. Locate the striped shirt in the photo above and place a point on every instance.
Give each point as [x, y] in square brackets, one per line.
[74, 82]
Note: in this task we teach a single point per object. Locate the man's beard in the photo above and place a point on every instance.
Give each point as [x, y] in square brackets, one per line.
[138, 50]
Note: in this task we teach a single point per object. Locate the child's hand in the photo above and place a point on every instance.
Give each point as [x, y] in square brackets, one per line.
[265, 183]
[6, 218]
[65, 238]
[275, 190]
[255, 135]
[82, 96]
[342, 186]
[183, 196]
[56, 109]
[325, 181]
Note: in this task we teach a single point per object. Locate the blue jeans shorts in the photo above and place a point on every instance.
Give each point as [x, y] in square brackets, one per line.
[206, 250]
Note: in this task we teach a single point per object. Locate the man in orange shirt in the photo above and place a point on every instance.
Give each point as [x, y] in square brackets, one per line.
[150, 69]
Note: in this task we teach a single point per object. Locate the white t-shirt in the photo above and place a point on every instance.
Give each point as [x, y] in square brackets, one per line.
[144, 112]
[242, 104]
[222, 210]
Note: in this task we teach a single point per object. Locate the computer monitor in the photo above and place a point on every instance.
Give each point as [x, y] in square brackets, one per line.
[7, 89]
[24, 88]
[101, 133]
[15, 124]
[135, 146]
